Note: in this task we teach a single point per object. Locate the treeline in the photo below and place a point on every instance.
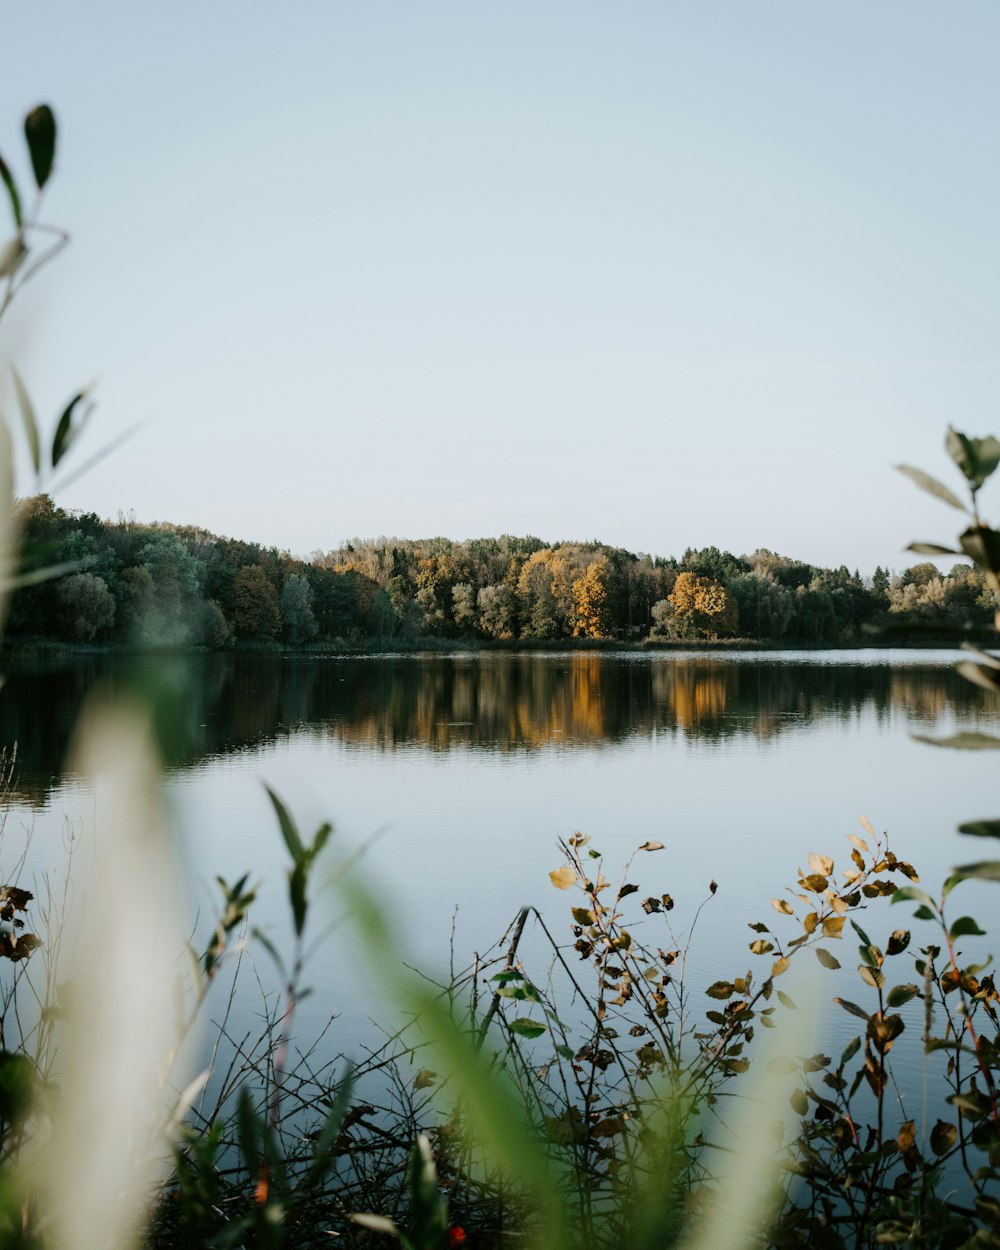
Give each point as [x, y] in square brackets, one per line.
[180, 585]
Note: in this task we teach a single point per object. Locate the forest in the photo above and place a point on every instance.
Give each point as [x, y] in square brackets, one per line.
[178, 585]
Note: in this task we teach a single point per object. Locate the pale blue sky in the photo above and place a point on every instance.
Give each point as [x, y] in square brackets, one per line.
[664, 274]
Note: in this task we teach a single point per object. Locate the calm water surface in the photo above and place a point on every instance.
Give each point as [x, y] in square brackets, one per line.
[459, 774]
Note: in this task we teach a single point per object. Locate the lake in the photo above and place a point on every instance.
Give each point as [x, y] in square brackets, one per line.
[459, 773]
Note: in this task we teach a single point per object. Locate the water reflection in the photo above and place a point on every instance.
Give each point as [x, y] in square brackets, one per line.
[212, 705]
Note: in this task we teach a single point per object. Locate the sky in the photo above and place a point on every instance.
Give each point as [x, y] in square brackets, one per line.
[657, 273]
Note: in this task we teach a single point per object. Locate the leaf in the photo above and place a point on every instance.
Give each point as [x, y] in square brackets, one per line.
[287, 826]
[17, 1083]
[853, 1008]
[563, 878]
[12, 256]
[899, 940]
[779, 904]
[932, 549]
[986, 678]
[931, 485]
[962, 741]
[779, 966]
[820, 864]
[985, 656]
[850, 1050]
[297, 895]
[981, 828]
[900, 994]
[985, 870]
[982, 545]
[626, 889]
[860, 843]
[976, 457]
[910, 893]
[64, 430]
[720, 990]
[943, 1137]
[40, 131]
[11, 185]
[651, 846]
[526, 1028]
[826, 959]
[28, 417]
[871, 976]
[965, 925]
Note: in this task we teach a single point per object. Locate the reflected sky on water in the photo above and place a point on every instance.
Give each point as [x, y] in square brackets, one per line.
[459, 774]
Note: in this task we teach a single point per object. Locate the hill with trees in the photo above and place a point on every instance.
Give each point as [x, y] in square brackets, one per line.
[170, 585]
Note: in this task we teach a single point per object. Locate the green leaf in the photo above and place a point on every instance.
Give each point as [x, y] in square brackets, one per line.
[976, 457]
[931, 485]
[924, 913]
[40, 131]
[932, 549]
[900, 994]
[11, 185]
[17, 1083]
[28, 417]
[849, 1051]
[963, 741]
[943, 1137]
[965, 925]
[320, 840]
[982, 545]
[853, 1008]
[985, 870]
[526, 1028]
[981, 828]
[249, 1127]
[826, 959]
[297, 895]
[65, 433]
[909, 894]
[288, 830]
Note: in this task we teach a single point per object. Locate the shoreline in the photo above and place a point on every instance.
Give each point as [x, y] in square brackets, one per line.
[46, 649]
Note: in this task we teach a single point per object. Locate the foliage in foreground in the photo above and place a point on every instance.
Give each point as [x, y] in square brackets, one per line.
[592, 1104]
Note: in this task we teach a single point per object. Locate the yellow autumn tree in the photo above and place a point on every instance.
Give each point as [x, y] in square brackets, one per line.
[702, 608]
[590, 595]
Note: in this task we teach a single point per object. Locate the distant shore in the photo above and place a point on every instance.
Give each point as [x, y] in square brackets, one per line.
[46, 649]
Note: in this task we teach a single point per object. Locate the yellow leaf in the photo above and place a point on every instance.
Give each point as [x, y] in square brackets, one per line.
[860, 843]
[821, 864]
[780, 966]
[779, 904]
[563, 878]
[866, 824]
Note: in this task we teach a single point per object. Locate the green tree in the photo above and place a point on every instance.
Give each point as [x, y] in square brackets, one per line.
[296, 610]
[256, 609]
[86, 606]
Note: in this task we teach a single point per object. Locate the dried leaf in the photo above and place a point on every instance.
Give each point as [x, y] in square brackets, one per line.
[563, 878]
